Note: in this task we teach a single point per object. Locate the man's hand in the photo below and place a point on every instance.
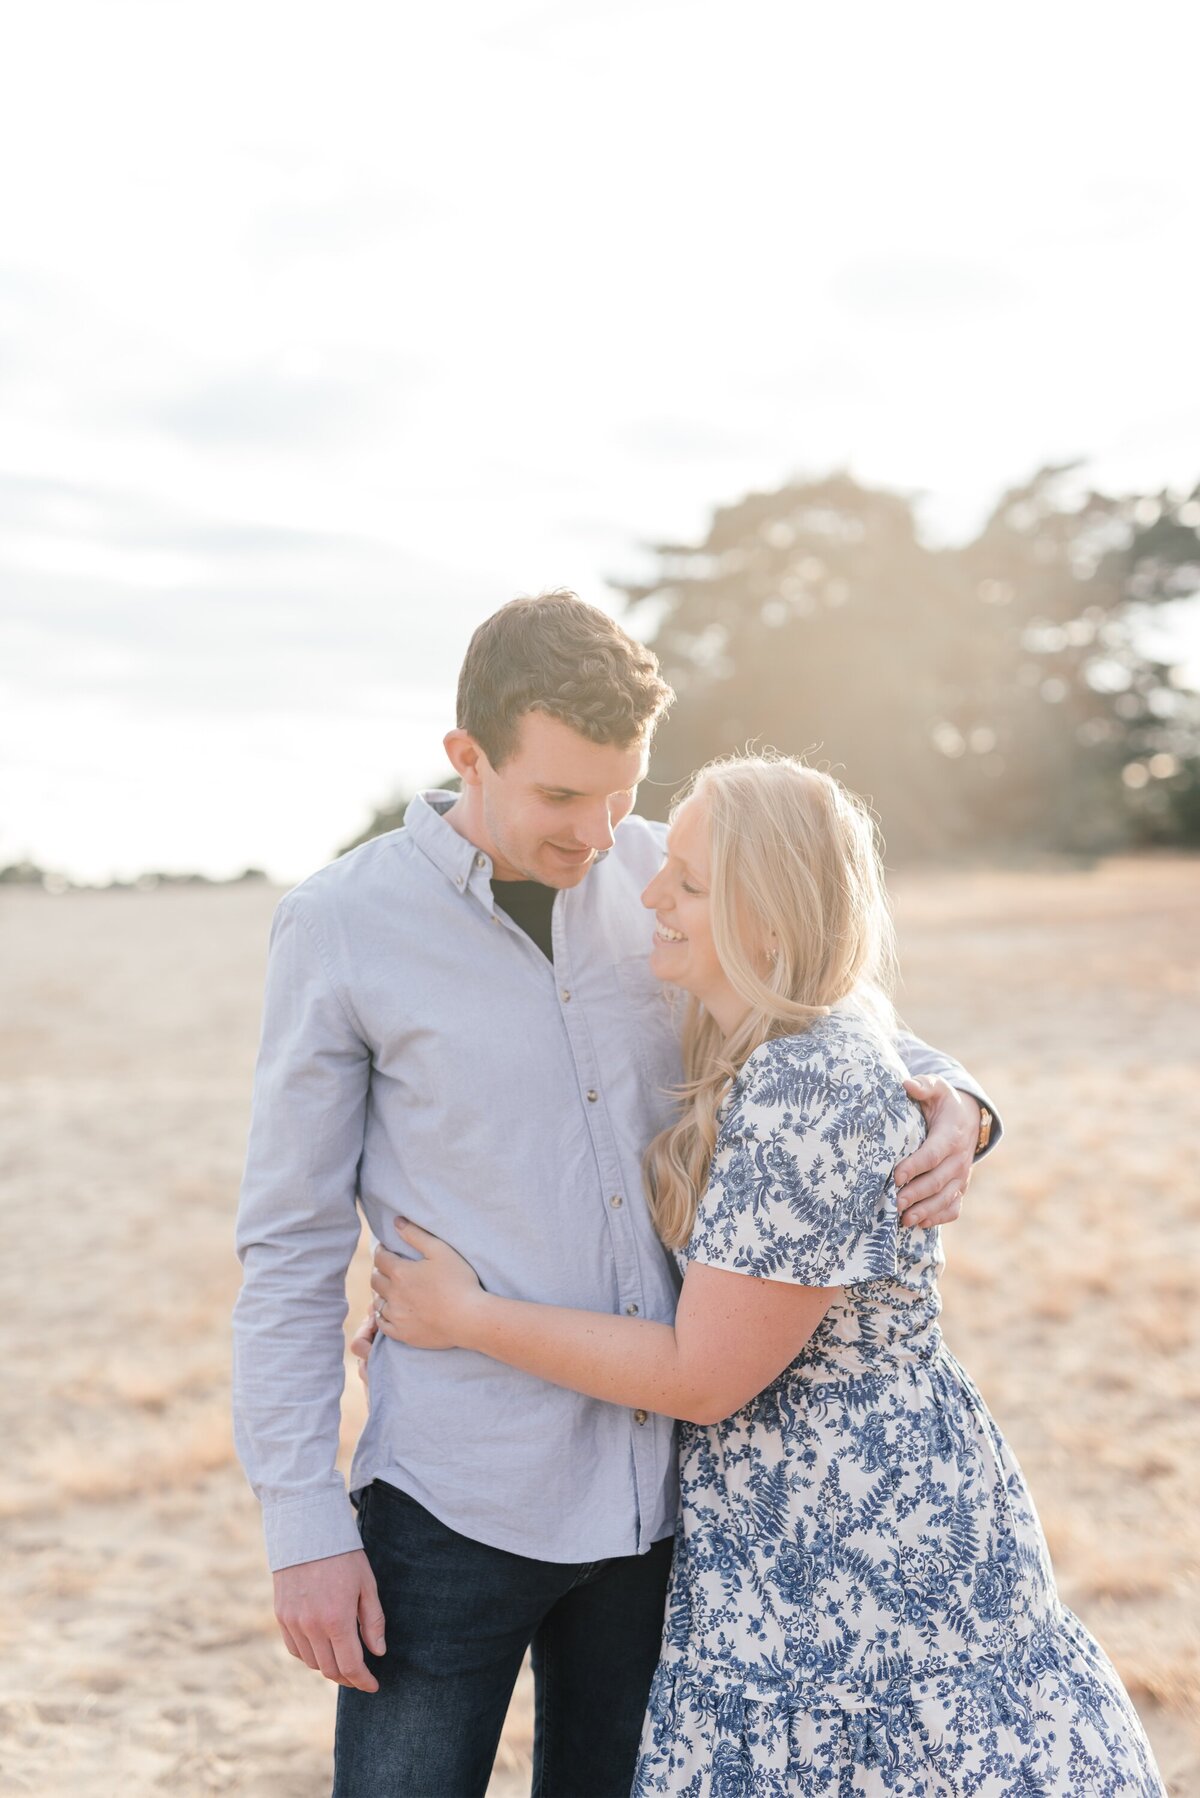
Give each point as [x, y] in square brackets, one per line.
[931, 1182]
[321, 1606]
[360, 1344]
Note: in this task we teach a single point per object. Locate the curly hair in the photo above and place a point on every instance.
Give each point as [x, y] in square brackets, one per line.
[552, 653]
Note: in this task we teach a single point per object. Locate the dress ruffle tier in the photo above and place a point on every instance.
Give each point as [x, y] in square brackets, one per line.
[1048, 1720]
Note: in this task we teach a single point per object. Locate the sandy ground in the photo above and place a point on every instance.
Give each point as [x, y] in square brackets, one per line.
[138, 1653]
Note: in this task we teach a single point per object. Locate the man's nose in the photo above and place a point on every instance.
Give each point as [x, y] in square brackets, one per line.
[597, 830]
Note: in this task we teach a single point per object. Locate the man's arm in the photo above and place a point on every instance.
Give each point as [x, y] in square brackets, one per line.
[931, 1181]
[297, 1230]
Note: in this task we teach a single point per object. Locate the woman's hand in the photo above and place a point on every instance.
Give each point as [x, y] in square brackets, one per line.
[424, 1303]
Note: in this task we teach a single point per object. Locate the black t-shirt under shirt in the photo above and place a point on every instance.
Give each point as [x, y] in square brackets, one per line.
[529, 905]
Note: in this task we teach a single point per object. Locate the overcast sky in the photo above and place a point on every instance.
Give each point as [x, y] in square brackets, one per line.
[323, 330]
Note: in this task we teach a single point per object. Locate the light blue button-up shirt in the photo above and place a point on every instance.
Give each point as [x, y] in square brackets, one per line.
[420, 1056]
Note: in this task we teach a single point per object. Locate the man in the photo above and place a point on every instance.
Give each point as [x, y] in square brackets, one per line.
[461, 1027]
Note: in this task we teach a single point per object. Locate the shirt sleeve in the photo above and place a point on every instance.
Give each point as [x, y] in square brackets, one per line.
[920, 1059]
[297, 1229]
[801, 1187]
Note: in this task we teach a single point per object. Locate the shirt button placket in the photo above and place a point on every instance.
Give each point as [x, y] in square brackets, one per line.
[631, 1307]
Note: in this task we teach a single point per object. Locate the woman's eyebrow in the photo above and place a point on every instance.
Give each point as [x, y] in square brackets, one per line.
[670, 856]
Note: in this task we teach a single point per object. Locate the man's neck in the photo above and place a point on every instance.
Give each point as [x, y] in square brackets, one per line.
[466, 818]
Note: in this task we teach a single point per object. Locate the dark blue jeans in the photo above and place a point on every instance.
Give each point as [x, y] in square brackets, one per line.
[459, 1617]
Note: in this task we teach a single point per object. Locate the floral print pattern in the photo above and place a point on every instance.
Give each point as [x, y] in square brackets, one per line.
[862, 1601]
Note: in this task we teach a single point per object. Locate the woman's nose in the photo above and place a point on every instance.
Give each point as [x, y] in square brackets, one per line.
[650, 895]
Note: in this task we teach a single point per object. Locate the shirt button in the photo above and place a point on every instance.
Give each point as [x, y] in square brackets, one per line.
[593, 1095]
[639, 1416]
[565, 995]
[481, 861]
[616, 1201]
[458, 882]
[631, 1309]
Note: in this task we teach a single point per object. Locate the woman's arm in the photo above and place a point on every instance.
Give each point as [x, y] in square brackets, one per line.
[733, 1334]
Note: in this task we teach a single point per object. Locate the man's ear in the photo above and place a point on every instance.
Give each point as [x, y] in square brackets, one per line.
[464, 755]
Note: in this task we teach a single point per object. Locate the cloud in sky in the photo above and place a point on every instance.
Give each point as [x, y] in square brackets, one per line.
[923, 291]
[319, 343]
[211, 614]
[259, 406]
[179, 690]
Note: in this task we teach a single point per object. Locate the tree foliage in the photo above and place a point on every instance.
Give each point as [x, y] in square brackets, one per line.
[1001, 693]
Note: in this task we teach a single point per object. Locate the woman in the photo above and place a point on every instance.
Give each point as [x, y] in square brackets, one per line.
[861, 1600]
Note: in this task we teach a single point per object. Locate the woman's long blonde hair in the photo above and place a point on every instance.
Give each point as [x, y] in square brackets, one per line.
[800, 922]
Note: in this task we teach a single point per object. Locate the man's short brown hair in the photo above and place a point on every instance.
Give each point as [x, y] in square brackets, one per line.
[556, 655]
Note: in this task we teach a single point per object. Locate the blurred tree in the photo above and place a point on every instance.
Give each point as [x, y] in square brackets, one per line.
[1158, 571]
[391, 816]
[997, 693]
[22, 874]
[1091, 715]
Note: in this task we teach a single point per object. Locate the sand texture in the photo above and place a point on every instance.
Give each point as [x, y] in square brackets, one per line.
[138, 1652]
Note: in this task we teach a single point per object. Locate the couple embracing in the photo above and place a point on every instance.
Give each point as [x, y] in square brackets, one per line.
[656, 1181]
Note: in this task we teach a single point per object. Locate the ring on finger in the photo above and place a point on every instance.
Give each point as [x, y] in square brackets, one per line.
[380, 1310]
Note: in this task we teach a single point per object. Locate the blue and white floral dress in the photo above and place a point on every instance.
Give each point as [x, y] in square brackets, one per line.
[862, 1601]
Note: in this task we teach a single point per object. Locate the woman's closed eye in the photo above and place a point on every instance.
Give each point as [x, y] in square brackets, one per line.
[694, 892]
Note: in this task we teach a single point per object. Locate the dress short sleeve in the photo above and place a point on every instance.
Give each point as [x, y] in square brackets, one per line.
[801, 1186]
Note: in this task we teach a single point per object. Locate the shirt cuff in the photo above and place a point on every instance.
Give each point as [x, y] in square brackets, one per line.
[309, 1529]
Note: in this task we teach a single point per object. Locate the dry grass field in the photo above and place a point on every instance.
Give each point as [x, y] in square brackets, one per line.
[138, 1654]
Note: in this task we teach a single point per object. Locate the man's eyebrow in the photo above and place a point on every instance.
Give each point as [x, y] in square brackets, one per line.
[573, 793]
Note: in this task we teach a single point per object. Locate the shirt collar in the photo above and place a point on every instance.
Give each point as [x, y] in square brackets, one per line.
[456, 857]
